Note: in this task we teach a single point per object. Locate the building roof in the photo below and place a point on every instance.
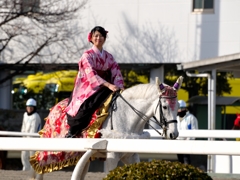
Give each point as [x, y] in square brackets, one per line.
[220, 100]
[222, 63]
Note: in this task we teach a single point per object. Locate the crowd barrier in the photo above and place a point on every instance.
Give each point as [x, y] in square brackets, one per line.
[92, 146]
[201, 133]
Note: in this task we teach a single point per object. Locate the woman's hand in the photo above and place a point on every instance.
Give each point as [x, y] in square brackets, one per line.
[112, 87]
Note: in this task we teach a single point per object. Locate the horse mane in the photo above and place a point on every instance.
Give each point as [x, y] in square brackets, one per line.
[141, 91]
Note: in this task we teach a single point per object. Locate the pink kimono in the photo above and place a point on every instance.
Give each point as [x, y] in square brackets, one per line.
[86, 84]
[88, 81]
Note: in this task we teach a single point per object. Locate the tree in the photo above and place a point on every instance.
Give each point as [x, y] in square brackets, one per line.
[40, 31]
[196, 86]
[134, 77]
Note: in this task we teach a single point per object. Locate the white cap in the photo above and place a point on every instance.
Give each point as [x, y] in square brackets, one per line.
[31, 102]
[182, 104]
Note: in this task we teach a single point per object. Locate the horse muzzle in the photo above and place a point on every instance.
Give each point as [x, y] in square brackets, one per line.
[173, 135]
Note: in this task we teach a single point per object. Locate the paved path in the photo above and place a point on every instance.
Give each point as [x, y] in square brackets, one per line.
[66, 175]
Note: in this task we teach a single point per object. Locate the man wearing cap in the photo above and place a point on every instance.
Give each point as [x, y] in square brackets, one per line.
[31, 124]
[186, 121]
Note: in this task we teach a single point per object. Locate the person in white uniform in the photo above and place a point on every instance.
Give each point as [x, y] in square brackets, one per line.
[186, 121]
[31, 124]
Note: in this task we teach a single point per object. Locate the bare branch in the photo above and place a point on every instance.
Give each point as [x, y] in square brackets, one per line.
[43, 29]
[39, 31]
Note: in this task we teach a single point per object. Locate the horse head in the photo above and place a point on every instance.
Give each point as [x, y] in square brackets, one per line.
[168, 107]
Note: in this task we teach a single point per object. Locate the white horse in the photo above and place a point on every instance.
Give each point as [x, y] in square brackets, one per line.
[130, 112]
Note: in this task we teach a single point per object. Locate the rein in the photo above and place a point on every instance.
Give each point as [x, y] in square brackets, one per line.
[163, 123]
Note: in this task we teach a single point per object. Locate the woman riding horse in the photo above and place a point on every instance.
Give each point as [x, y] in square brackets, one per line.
[99, 75]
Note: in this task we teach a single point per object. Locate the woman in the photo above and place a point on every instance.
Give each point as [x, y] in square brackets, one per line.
[99, 75]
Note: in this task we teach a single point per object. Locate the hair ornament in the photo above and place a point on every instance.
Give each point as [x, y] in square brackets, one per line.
[89, 37]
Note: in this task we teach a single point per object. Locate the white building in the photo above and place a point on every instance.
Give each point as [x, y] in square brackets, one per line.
[155, 32]
[158, 32]
[166, 31]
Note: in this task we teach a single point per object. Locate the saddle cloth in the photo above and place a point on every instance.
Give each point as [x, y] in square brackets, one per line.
[56, 127]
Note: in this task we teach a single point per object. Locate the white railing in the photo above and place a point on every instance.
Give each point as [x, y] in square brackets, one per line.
[92, 146]
[225, 134]
[121, 145]
[13, 133]
[152, 146]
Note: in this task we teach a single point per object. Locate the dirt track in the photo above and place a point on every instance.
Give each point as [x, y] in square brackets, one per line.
[65, 175]
[58, 175]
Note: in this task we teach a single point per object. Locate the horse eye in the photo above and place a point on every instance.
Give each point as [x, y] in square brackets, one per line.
[165, 107]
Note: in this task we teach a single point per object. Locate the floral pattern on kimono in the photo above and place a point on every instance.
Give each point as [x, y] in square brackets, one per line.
[88, 81]
[56, 127]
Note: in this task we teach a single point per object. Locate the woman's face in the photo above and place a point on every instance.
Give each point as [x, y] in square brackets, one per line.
[98, 39]
[29, 109]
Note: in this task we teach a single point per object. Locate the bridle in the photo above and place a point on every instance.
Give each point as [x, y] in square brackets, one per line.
[163, 123]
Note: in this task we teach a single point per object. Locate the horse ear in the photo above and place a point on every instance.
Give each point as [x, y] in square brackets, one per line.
[160, 85]
[178, 83]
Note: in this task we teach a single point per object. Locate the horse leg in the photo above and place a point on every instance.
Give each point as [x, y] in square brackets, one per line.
[25, 155]
[111, 161]
[134, 158]
[34, 175]
[39, 177]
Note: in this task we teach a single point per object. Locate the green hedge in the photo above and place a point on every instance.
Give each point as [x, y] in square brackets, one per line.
[157, 169]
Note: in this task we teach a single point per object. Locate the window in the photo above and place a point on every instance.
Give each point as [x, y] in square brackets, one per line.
[30, 6]
[203, 6]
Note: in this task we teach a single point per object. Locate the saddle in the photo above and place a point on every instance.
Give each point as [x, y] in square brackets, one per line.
[97, 119]
[56, 127]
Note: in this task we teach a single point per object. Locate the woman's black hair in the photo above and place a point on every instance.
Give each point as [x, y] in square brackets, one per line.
[101, 30]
